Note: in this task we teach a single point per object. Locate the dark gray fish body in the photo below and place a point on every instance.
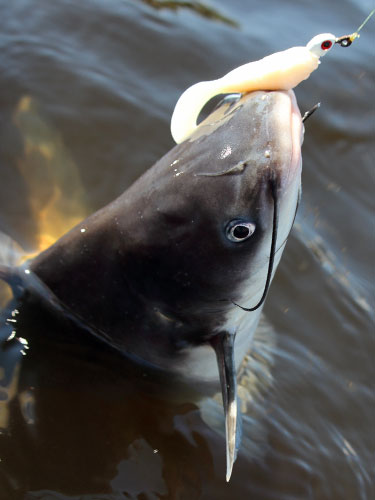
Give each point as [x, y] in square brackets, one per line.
[159, 271]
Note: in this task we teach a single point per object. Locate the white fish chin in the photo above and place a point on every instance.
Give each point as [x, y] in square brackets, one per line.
[200, 363]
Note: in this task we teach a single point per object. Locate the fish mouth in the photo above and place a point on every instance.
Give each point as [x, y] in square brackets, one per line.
[297, 132]
[286, 133]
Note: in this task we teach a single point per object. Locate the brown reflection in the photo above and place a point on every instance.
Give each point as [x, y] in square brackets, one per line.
[5, 294]
[56, 195]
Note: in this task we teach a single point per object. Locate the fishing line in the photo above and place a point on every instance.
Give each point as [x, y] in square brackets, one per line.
[275, 223]
[347, 40]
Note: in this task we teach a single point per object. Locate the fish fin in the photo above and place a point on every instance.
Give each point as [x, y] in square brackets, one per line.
[223, 344]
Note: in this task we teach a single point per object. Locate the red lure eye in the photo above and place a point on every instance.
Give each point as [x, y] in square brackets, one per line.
[326, 45]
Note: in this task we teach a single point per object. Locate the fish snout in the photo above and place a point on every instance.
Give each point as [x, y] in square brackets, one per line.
[283, 131]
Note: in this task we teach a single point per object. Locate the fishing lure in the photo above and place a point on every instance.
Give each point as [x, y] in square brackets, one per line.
[280, 71]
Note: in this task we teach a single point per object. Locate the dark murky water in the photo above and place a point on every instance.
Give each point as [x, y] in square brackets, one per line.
[86, 93]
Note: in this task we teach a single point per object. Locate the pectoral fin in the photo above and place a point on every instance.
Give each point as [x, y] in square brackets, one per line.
[223, 344]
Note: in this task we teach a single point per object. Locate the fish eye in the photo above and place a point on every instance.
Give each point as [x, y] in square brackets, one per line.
[321, 44]
[239, 230]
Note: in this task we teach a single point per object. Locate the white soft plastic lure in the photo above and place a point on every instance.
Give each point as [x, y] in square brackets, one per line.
[280, 71]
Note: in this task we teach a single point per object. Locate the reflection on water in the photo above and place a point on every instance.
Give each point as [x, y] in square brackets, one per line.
[55, 190]
[86, 93]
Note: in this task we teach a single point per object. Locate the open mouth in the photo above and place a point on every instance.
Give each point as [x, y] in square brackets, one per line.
[297, 131]
[285, 134]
